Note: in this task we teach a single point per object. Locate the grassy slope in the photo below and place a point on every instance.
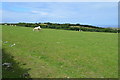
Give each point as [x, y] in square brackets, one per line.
[60, 53]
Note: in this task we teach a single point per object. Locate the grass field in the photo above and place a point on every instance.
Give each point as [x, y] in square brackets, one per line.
[54, 53]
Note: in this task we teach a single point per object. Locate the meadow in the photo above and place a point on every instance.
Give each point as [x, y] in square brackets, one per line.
[52, 53]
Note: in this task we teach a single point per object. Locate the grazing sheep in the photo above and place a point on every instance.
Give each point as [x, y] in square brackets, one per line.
[37, 28]
[67, 77]
[80, 30]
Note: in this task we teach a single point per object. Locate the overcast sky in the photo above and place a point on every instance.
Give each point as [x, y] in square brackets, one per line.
[103, 14]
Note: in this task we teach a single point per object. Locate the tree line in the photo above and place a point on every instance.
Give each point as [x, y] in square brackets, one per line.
[67, 26]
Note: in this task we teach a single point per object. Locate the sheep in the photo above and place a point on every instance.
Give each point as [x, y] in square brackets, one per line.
[67, 77]
[37, 28]
[80, 30]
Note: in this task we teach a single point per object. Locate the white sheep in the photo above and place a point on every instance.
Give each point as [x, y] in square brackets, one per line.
[37, 28]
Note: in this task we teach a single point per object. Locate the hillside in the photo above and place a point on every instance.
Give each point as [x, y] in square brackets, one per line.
[54, 53]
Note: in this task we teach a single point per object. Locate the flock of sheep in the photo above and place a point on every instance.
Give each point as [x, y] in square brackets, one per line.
[36, 28]
[10, 25]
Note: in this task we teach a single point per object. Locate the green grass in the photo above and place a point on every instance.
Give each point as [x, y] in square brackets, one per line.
[54, 53]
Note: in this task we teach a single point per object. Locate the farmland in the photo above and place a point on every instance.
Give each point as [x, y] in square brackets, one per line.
[52, 53]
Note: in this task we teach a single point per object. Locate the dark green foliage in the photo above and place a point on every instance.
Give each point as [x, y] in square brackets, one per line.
[67, 26]
[16, 71]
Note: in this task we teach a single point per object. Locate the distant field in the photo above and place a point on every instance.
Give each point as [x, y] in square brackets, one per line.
[54, 53]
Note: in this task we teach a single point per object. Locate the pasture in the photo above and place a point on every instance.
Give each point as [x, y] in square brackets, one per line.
[51, 53]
